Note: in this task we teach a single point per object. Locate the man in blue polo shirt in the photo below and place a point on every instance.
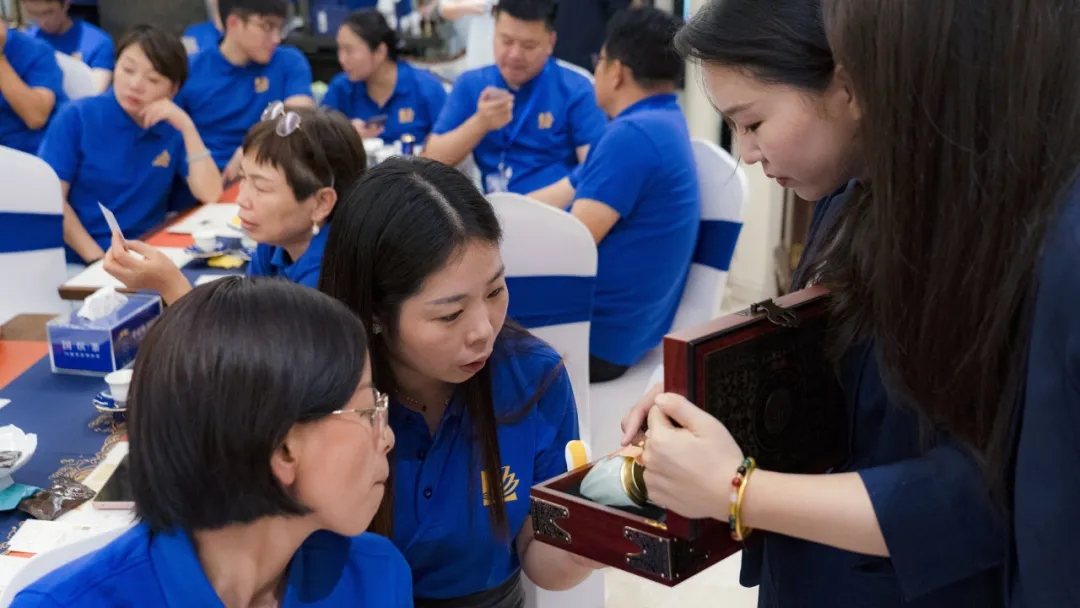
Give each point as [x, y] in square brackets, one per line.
[74, 37]
[528, 120]
[637, 192]
[31, 88]
[231, 84]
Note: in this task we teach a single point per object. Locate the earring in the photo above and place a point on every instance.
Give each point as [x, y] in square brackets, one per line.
[376, 328]
[314, 230]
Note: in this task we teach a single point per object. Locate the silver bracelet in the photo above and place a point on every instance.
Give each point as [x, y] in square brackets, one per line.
[197, 157]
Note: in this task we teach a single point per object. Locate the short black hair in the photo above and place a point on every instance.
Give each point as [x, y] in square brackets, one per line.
[219, 380]
[783, 43]
[529, 10]
[164, 50]
[252, 8]
[325, 151]
[371, 26]
[643, 39]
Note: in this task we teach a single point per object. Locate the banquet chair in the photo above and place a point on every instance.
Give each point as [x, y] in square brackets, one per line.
[724, 190]
[78, 77]
[550, 262]
[32, 263]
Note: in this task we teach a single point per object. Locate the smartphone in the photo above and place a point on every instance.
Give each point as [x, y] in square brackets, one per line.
[377, 121]
[116, 493]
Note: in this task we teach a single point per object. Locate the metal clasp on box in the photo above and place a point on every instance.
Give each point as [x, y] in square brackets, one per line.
[775, 314]
[654, 557]
[544, 515]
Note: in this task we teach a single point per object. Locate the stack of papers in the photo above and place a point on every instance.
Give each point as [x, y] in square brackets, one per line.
[95, 277]
[215, 218]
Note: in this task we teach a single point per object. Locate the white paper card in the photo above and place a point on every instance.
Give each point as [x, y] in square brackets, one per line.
[39, 536]
[95, 277]
[110, 219]
[209, 278]
[4, 402]
[215, 217]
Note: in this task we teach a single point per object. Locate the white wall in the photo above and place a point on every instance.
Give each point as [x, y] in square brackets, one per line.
[753, 269]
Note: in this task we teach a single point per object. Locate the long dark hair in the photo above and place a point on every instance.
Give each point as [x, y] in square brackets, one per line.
[781, 43]
[972, 105]
[401, 224]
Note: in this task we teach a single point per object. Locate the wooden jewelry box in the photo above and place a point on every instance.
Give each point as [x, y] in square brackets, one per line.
[764, 373]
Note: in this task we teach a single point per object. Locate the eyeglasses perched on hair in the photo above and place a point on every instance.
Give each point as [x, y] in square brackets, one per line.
[288, 121]
[376, 415]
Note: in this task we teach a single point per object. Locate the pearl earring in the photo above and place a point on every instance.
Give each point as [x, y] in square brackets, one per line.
[314, 230]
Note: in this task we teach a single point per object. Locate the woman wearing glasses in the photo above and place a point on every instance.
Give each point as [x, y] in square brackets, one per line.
[481, 410]
[297, 164]
[257, 461]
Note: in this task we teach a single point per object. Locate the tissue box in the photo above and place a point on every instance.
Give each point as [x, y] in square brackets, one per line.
[764, 373]
[97, 348]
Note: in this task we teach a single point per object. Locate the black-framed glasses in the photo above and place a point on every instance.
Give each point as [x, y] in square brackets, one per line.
[376, 415]
[288, 121]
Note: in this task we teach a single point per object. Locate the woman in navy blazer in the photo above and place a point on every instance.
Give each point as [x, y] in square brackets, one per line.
[967, 246]
[907, 520]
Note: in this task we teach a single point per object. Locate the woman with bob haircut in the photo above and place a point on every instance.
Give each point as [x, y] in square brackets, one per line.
[124, 147]
[481, 410]
[257, 460]
[297, 164]
[908, 519]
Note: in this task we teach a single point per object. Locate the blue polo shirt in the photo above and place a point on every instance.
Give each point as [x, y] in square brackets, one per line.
[440, 520]
[106, 157]
[225, 100]
[201, 36]
[412, 109]
[643, 168]
[271, 261]
[83, 41]
[35, 63]
[554, 114]
[145, 569]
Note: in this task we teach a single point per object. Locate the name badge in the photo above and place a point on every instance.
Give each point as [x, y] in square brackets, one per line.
[500, 180]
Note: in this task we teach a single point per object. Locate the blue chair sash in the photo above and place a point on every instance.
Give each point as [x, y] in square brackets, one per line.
[21, 232]
[716, 243]
[543, 301]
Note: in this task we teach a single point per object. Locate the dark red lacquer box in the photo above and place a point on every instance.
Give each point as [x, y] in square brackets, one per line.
[762, 372]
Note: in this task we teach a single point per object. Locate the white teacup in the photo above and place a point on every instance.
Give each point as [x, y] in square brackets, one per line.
[205, 241]
[118, 382]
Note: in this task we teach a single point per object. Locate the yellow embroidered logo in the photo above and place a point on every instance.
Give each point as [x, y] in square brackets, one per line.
[509, 486]
[162, 159]
[546, 120]
[406, 115]
[77, 55]
[262, 84]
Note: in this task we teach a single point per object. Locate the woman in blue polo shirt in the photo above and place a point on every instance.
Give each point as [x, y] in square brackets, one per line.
[385, 97]
[481, 410]
[123, 148]
[297, 164]
[257, 461]
[907, 520]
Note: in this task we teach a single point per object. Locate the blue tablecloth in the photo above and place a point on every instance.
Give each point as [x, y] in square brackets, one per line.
[72, 435]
